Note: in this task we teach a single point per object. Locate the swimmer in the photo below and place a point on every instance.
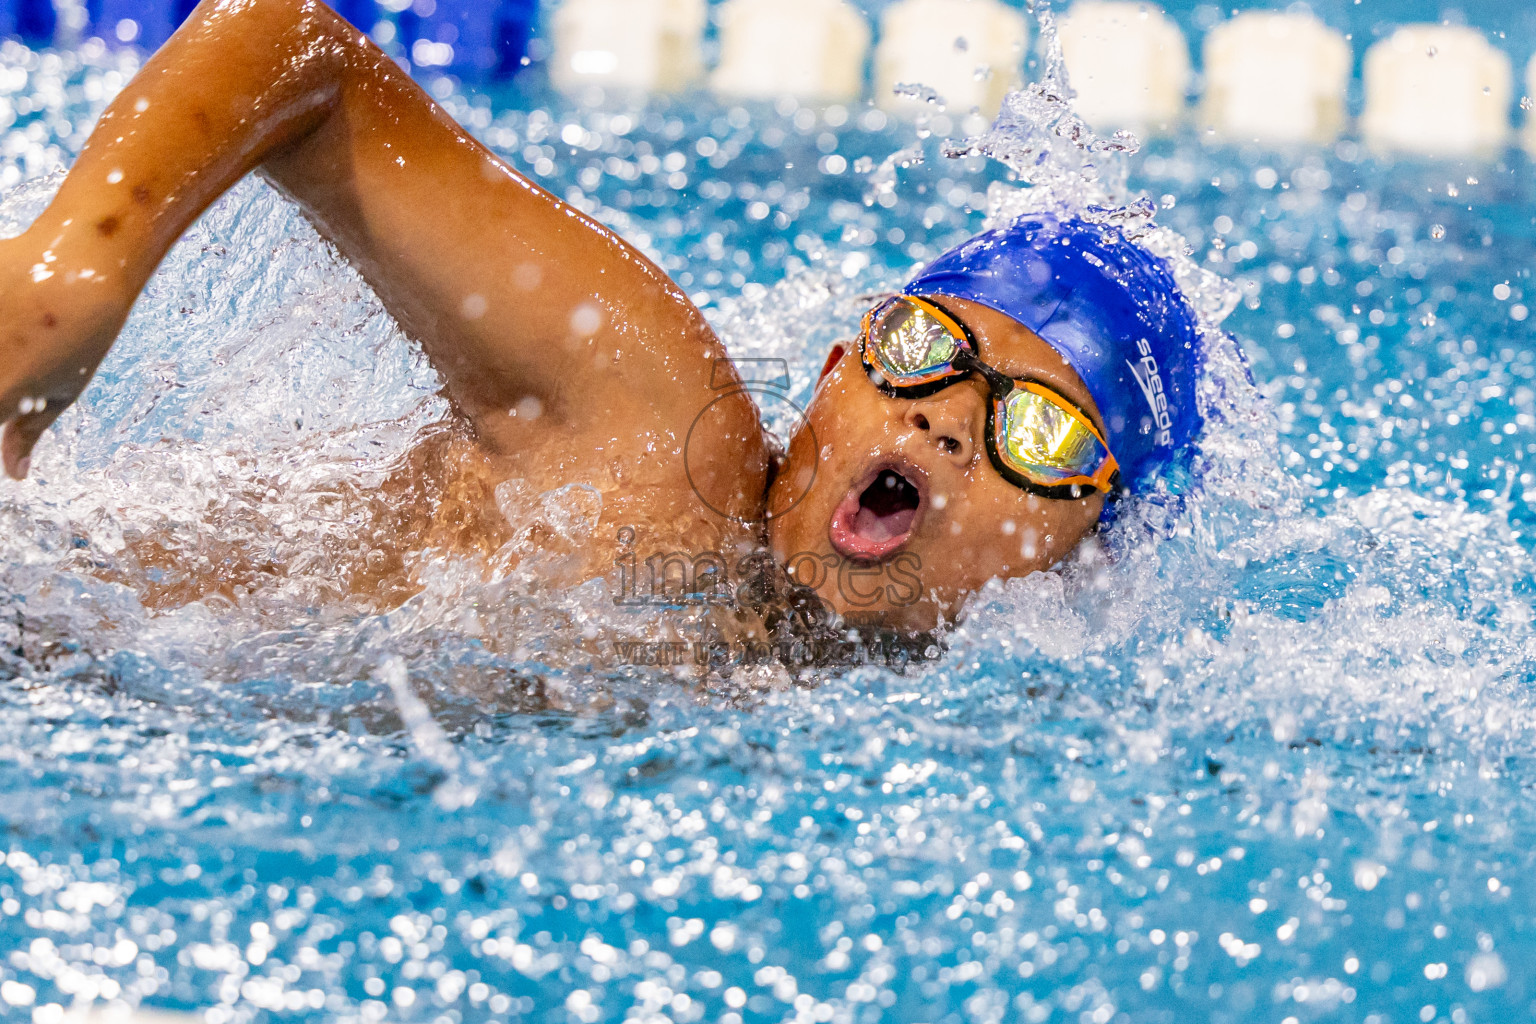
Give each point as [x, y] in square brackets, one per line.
[975, 429]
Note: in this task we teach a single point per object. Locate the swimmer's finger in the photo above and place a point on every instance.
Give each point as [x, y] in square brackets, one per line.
[21, 434]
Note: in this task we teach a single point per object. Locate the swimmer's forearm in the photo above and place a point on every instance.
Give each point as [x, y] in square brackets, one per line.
[495, 277]
[241, 80]
[511, 293]
[237, 82]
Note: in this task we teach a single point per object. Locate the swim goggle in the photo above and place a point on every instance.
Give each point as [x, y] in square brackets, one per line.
[1036, 438]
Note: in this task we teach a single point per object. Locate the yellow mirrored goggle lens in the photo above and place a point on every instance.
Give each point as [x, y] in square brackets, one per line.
[909, 345]
[1044, 442]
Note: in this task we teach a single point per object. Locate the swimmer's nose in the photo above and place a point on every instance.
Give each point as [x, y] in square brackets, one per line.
[950, 421]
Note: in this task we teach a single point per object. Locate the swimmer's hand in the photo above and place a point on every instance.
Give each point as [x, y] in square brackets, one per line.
[59, 319]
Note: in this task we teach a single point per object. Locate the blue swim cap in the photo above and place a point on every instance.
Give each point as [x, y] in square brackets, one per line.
[1108, 306]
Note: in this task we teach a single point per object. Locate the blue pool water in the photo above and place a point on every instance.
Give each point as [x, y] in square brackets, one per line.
[1267, 759]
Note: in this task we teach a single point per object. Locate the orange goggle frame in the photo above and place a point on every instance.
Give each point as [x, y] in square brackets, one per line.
[1037, 439]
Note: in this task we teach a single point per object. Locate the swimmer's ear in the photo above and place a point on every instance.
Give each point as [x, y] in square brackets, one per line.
[833, 358]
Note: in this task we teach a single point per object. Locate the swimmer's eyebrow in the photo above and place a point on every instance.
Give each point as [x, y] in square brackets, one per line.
[1051, 378]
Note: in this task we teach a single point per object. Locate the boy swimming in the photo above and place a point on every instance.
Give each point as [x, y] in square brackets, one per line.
[975, 429]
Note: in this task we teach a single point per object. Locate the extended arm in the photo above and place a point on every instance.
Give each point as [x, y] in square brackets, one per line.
[511, 292]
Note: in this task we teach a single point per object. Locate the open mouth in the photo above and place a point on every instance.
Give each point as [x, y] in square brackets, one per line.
[873, 522]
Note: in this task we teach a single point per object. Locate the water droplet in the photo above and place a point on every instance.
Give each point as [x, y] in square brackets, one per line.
[586, 319]
[1437, 231]
[919, 92]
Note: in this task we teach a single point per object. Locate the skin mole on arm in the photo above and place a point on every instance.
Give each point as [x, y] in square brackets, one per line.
[107, 227]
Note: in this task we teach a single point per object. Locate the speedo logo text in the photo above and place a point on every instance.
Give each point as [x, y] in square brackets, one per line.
[1150, 379]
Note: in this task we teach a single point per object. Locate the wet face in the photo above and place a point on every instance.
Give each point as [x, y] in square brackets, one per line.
[906, 514]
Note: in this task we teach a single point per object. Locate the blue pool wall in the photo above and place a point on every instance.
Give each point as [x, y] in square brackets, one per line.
[484, 40]
[32, 21]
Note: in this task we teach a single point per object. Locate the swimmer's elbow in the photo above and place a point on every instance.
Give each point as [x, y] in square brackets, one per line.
[274, 20]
